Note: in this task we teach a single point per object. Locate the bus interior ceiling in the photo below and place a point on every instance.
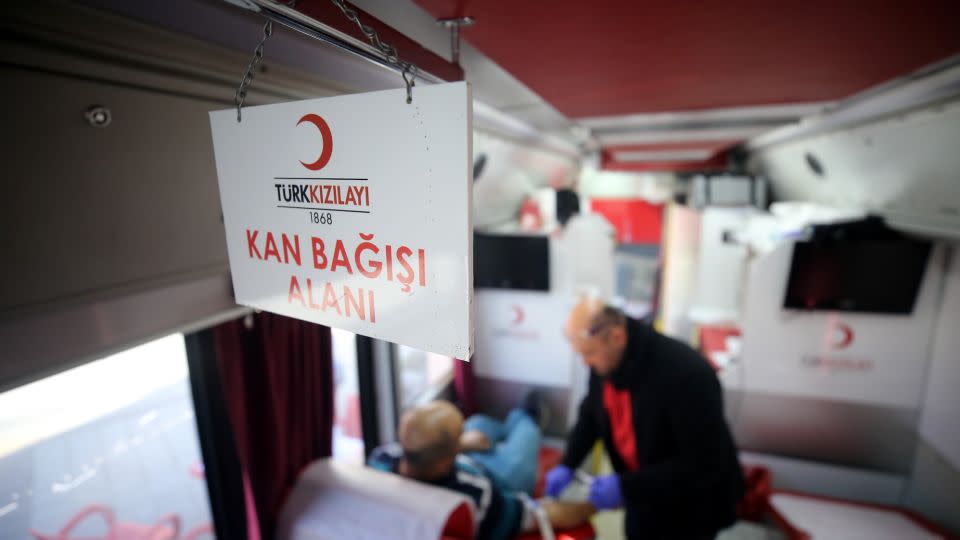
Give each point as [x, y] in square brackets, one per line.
[701, 142]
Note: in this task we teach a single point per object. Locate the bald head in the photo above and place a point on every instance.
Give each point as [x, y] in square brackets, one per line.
[429, 435]
[598, 333]
[582, 316]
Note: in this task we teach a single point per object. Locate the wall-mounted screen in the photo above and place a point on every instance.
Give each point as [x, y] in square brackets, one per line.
[878, 275]
[511, 262]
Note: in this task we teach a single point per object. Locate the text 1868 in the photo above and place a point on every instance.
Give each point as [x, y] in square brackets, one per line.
[322, 218]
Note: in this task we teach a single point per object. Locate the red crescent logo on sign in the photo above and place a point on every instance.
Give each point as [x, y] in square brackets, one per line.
[327, 141]
[845, 335]
[517, 315]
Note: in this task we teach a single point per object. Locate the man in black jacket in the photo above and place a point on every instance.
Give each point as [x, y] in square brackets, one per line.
[658, 407]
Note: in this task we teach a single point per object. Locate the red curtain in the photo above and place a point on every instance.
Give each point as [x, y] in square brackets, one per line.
[278, 384]
[463, 386]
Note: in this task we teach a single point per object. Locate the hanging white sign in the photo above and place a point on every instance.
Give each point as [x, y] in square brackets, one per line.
[354, 212]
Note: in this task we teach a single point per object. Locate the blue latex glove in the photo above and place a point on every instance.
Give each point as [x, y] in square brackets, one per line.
[605, 493]
[557, 479]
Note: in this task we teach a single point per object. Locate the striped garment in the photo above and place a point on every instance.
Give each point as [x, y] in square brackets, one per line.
[499, 511]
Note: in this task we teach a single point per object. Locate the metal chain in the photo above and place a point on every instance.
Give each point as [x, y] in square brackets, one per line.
[408, 70]
[247, 79]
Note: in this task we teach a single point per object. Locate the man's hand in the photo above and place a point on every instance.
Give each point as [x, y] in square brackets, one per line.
[557, 479]
[605, 493]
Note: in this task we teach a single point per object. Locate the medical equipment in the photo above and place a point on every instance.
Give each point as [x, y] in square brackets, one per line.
[543, 522]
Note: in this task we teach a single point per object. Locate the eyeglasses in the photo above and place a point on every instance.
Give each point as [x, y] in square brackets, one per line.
[590, 332]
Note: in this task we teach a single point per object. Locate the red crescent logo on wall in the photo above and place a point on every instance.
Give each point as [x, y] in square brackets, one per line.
[517, 315]
[843, 336]
[327, 141]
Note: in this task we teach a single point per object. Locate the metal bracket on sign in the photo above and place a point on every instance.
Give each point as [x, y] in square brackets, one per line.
[454, 24]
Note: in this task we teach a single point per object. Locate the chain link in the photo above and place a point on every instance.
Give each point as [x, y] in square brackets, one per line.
[389, 52]
[247, 79]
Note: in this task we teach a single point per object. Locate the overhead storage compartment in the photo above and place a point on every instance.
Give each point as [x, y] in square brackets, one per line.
[905, 168]
[112, 223]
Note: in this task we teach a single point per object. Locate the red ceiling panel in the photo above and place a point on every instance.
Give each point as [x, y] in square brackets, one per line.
[411, 51]
[607, 57]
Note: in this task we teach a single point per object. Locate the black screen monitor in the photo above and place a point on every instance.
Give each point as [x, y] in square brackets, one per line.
[511, 262]
[875, 275]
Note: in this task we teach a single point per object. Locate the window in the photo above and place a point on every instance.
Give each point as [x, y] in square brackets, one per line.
[115, 437]
[347, 428]
[422, 375]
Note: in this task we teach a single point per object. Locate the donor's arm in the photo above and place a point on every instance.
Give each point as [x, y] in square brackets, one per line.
[565, 515]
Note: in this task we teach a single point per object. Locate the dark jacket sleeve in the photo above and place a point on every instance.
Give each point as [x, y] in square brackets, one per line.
[703, 443]
[585, 432]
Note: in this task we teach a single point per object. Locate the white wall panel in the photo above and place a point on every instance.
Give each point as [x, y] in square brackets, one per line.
[884, 364]
[940, 422]
[680, 250]
[720, 266]
[520, 337]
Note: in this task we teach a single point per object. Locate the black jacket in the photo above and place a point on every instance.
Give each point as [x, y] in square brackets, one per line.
[689, 481]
